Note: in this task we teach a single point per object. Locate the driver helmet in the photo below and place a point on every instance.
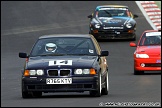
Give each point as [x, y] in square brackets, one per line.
[50, 47]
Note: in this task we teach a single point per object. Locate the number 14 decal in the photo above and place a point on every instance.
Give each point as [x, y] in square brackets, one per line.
[60, 62]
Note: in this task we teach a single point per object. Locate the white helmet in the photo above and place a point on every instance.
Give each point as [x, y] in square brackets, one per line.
[50, 47]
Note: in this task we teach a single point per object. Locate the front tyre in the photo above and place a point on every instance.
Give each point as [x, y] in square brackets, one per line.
[26, 95]
[136, 72]
[106, 89]
[134, 38]
[89, 32]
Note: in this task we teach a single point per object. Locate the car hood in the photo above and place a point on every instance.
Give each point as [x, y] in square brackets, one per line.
[60, 61]
[115, 21]
[149, 50]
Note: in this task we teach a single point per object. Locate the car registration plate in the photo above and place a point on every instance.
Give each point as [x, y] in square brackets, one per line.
[59, 81]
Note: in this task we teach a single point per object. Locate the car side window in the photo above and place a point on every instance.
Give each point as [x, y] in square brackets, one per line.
[129, 13]
[37, 48]
[94, 14]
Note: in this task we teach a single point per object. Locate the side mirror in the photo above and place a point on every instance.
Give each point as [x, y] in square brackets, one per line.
[89, 16]
[104, 53]
[23, 55]
[132, 44]
[135, 16]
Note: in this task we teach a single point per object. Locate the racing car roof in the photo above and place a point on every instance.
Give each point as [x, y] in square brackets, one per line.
[152, 30]
[65, 35]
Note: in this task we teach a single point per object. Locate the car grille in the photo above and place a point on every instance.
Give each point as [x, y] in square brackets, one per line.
[153, 65]
[60, 72]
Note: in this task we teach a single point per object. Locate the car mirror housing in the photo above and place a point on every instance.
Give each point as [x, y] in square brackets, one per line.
[104, 53]
[135, 16]
[23, 55]
[89, 16]
[132, 44]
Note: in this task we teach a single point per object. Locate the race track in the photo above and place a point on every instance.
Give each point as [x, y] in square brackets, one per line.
[22, 22]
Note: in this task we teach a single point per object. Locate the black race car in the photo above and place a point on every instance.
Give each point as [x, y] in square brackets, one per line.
[65, 63]
[112, 22]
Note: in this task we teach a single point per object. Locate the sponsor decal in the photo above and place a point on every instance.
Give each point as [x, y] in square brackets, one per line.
[113, 9]
[112, 27]
[158, 61]
[91, 51]
[105, 18]
[153, 34]
[112, 21]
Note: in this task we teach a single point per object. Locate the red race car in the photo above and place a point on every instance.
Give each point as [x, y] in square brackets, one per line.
[147, 56]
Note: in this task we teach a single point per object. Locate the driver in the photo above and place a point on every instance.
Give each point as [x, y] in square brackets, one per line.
[50, 47]
[152, 40]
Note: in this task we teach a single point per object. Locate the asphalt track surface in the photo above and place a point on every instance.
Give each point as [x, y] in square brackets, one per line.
[23, 22]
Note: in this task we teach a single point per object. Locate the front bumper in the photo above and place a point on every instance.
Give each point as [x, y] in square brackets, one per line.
[79, 84]
[114, 34]
[151, 64]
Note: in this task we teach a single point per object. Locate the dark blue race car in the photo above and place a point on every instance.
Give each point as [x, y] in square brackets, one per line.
[65, 63]
[112, 22]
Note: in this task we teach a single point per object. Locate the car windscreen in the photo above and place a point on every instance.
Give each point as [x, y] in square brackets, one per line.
[150, 38]
[110, 12]
[63, 46]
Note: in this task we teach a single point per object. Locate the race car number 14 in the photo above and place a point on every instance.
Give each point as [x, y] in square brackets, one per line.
[59, 81]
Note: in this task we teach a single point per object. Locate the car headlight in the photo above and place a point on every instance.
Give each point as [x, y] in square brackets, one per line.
[128, 25]
[40, 72]
[33, 72]
[142, 56]
[84, 71]
[97, 25]
[78, 71]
